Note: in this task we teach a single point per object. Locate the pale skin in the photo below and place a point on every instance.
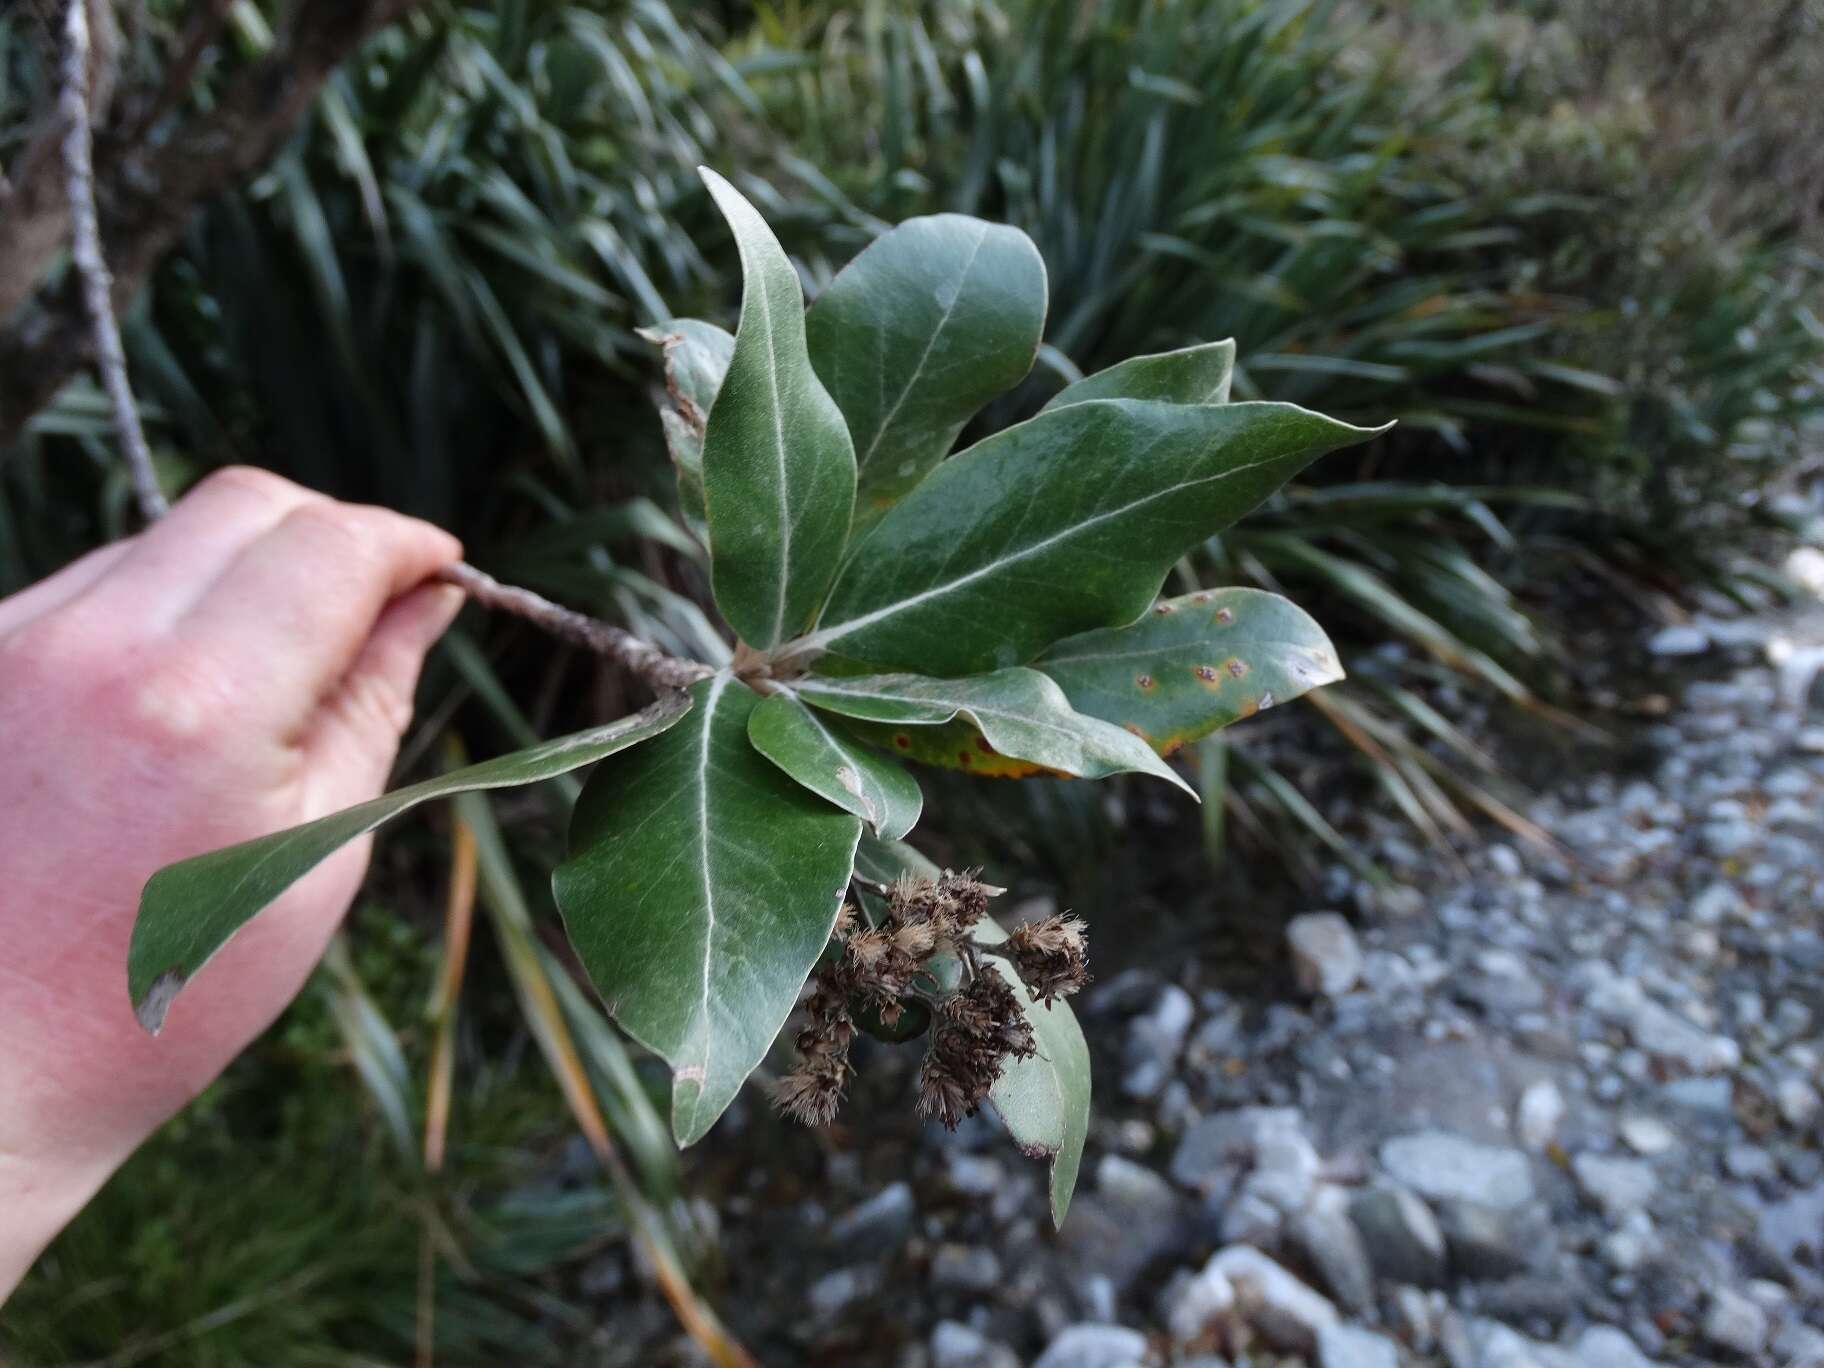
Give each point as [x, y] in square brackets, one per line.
[245, 664]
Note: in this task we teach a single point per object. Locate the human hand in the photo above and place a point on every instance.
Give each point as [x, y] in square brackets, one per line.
[246, 664]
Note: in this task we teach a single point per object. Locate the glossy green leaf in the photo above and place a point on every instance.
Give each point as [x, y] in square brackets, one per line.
[931, 321]
[1190, 375]
[1044, 1100]
[1194, 664]
[1019, 712]
[696, 358]
[190, 909]
[1059, 525]
[700, 888]
[778, 466]
[884, 861]
[838, 767]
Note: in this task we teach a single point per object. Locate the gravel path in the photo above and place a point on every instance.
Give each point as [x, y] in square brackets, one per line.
[1564, 1112]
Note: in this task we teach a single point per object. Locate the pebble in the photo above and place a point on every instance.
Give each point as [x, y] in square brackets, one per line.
[955, 1345]
[1400, 1236]
[1348, 1346]
[1735, 1322]
[1286, 1313]
[883, 1221]
[1154, 1041]
[1646, 1135]
[1326, 956]
[1617, 1186]
[1439, 1165]
[1539, 1114]
[1094, 1346]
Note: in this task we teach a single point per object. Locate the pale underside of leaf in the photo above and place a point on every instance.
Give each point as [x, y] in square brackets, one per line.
[189, 910]
[1194, 664]
[696, 356]
[1190, 375]
[778, 464]
[1044, 1100]
[700, 888]
[1020, 713]
[1058, 525]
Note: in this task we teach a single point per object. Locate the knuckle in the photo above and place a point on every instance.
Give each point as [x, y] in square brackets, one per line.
[373, 704]
[170, 701]
[335, 532]
[248, 481]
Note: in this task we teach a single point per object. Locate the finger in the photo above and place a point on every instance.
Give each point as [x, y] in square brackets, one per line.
[356, 734]
[295, 608]
[176, 560]
[65, 586]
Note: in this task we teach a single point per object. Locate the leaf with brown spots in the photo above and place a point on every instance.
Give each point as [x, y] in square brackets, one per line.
[1194, 664]
[1019, 713]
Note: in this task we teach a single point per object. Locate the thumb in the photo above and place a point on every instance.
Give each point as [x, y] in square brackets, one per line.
[356, 733]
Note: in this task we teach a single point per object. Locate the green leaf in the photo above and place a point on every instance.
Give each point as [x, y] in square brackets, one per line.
[884, 861]
[1194, 664]
[1019, 712]
[190, 909]
[1044, 1100]
[840, 769]
[700, 888]
[931, 321]
[1058, 525]
[1190, 375]
[696, 358]
[778, 466]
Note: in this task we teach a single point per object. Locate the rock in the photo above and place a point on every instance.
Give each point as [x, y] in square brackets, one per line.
[1400, 1235]
[1154, 1041]
[1603, 1346]
[1285, 1172]
[879, 1224]
[1797, 1100]
[835, 1291]
[1626, 1248]
[1799, 1346]
[1287, 1314]
[1217, 1145]
[1439, 1165]
[1538, 1114]
[1199, 1301]
[1612, 1185]
[1330, 1243]
[1094, 1346]
[955, 1345]
[1345, 1346]
[1133, 1218]
[1326, 957]
[1734, 1322]
[1682, 639]
[965, 1268]
[1486, 1243]
[1646, 1135]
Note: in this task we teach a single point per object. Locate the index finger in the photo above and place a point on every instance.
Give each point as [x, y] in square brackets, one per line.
[298, 604]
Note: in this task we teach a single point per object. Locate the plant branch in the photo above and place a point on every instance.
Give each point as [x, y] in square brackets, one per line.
[642, 658]
[92, 266]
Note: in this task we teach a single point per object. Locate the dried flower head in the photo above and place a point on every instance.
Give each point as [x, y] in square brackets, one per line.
[973, 1034]
[812, 1092]
[1050, 956]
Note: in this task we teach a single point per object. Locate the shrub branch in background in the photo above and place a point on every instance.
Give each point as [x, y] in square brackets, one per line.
[740, 832]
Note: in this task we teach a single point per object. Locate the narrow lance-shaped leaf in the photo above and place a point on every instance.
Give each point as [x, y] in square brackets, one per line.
[931, 321]
[1190, 375]
[696, 358]
[1043, 1100]
[190, 909]
[1194, 664]
[1058, 525]
[700, 888]
[778, 466]
[839, 768]
[1018, 712]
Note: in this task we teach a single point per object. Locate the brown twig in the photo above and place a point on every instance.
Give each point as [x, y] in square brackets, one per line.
[92, 265]
[604, 639]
